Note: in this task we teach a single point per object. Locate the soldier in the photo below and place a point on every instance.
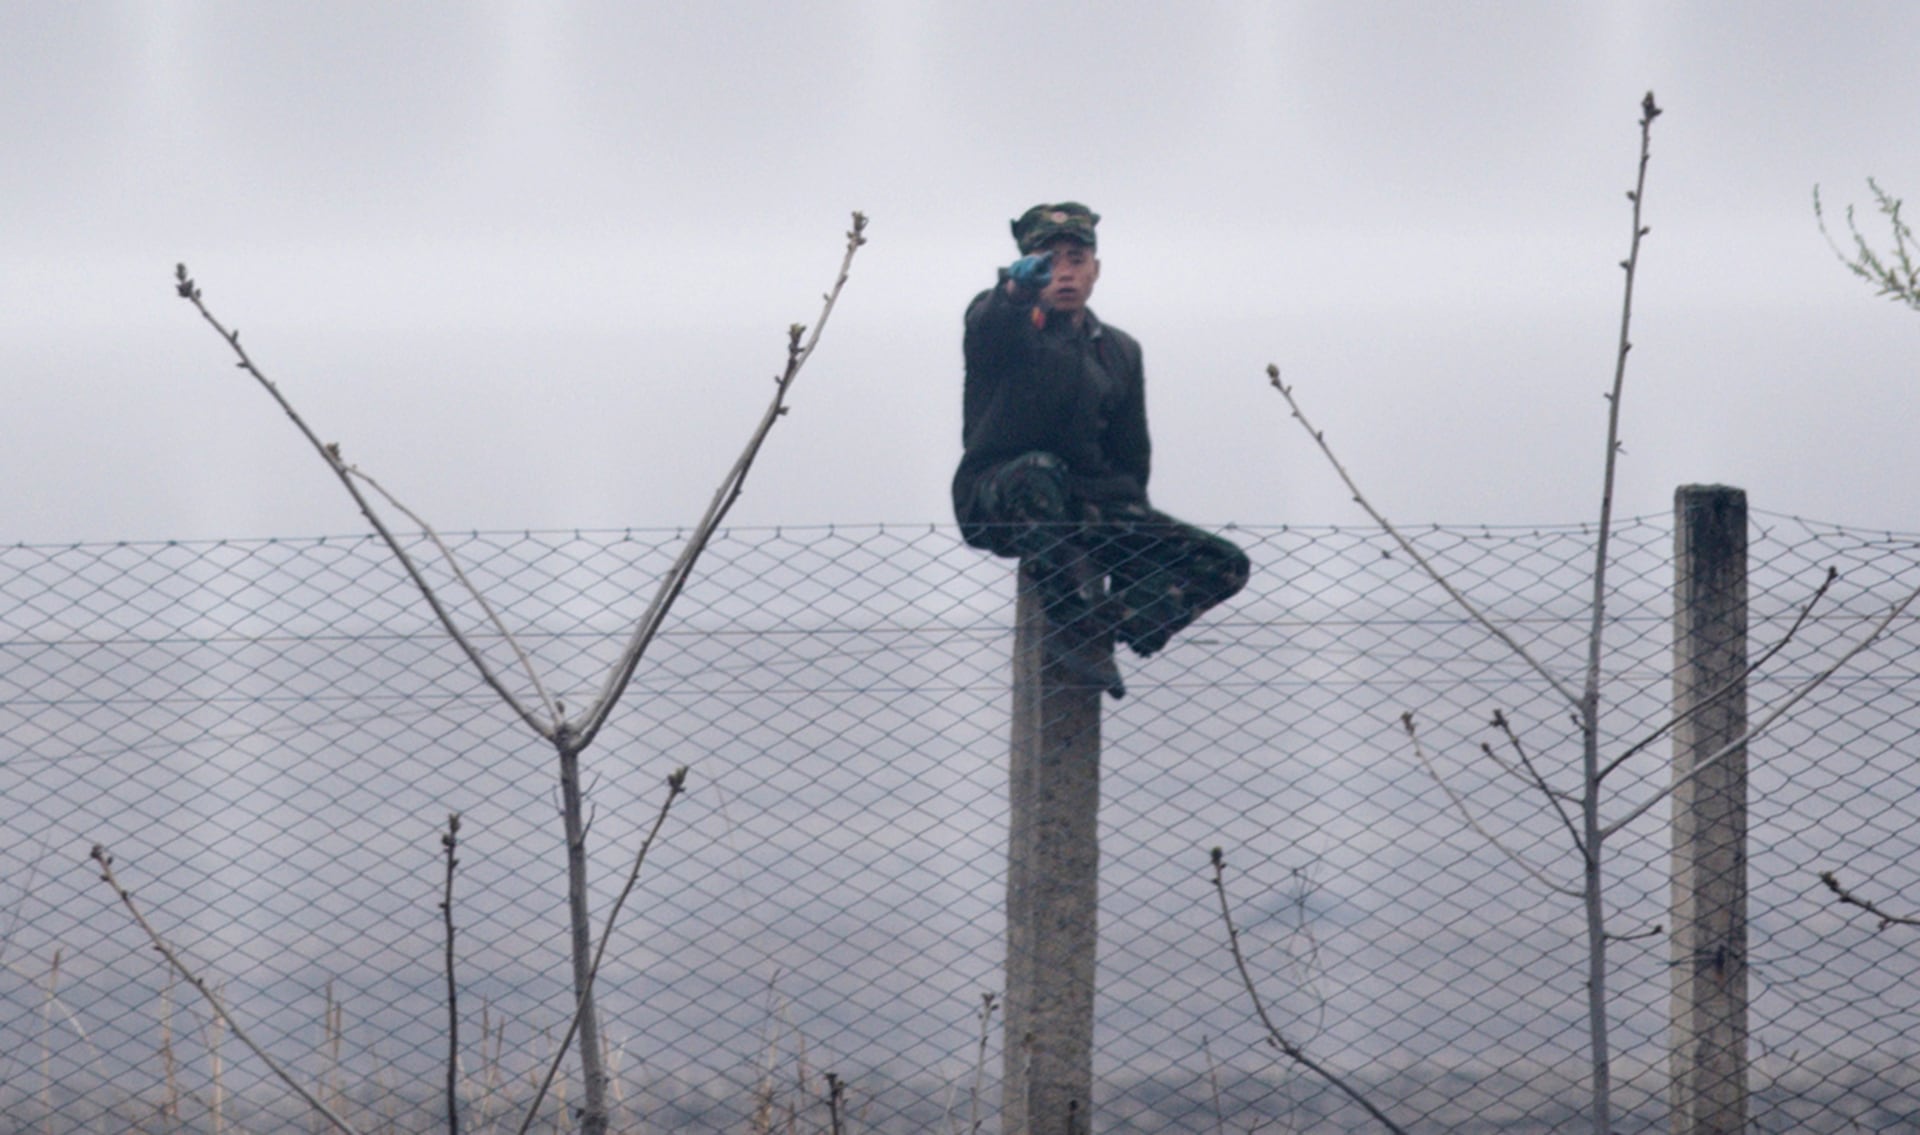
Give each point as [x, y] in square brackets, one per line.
[1057, 456]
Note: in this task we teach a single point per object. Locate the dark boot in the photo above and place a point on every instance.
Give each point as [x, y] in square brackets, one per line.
[1083, 647]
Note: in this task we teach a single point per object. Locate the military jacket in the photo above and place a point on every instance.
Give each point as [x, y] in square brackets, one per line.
[1039, 384]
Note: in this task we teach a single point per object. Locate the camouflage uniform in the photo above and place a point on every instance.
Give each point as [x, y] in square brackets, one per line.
[1056, 463]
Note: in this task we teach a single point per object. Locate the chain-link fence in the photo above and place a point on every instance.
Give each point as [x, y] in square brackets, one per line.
[270, 734]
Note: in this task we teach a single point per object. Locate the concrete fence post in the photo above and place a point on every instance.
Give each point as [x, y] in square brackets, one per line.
[1053, 862]
[1709, 1000]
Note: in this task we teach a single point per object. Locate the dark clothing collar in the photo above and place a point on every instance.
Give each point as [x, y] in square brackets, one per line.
[1090, 327]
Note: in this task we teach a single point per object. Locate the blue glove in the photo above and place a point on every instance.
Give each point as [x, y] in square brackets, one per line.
[1031, 272]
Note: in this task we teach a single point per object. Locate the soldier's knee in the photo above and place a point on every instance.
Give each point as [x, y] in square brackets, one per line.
[1033, 486]
[1228, 568]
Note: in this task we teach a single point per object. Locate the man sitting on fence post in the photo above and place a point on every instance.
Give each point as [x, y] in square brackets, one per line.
[1057, 455]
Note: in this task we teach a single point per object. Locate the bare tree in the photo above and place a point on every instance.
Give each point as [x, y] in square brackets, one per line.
[1577, 807]
[545, 717]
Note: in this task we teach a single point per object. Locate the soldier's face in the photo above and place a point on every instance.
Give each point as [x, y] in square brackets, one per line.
[1075, 270]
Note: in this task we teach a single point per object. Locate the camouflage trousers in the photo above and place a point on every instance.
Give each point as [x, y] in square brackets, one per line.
[1161, 574]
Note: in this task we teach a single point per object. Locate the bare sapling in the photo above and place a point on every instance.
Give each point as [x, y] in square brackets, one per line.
[1578, 809]
[542, 713]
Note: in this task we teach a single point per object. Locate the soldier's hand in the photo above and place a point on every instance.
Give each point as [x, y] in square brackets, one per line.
[1031, 273]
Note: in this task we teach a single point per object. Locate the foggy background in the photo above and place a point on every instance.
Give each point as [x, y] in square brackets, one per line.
[533, 264]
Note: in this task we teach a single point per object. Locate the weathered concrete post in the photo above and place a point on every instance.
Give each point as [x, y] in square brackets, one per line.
[1053, 862]
[1709, 1006]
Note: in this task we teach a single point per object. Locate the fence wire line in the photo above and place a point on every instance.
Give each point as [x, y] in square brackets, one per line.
[269, 735]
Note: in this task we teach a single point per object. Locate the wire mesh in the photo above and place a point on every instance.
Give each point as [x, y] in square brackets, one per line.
[269, 735]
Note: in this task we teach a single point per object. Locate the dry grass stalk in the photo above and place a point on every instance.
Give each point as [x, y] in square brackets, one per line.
[774, 1112]
[332, 1031]
[1213, 1080]
[170, 1072]
[482, 1090]
[389, 1097]
[216, 1034]
[46, 1043]
[614, 1056]
[974, 1119]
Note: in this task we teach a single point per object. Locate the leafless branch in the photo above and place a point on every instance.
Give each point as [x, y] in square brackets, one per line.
[1737, 682]
[1466, 814]
[190, 291]
[1590, 695]
[676, 783]
[105, 861]
[1653, 931]
[460, 573]
[1292, 1051]
[1553, 796]
[1433, 573]
[1851, 899]
[798, 352]
[1774, 714]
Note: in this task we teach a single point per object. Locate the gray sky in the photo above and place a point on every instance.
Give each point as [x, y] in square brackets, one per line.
[532, 265]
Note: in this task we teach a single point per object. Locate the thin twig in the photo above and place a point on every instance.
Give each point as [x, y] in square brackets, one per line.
[189, 291]
[1406, 545]
[480, 597]
[1213, 1079]
[1778, 711]
[1899, 282]
[1737, 682]
[451, 842]
[676, 783]
[1460, 804]
[1590, 696]
[1851, 899]
[1274, 1037]
[1501, 723]
[979, 1065]
[798, 352]
[105, 861]
[46, 1045]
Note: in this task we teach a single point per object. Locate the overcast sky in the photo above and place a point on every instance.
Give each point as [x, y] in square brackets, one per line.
[532, 265]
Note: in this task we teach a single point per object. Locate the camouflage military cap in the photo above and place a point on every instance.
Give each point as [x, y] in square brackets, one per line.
[1043, 223]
